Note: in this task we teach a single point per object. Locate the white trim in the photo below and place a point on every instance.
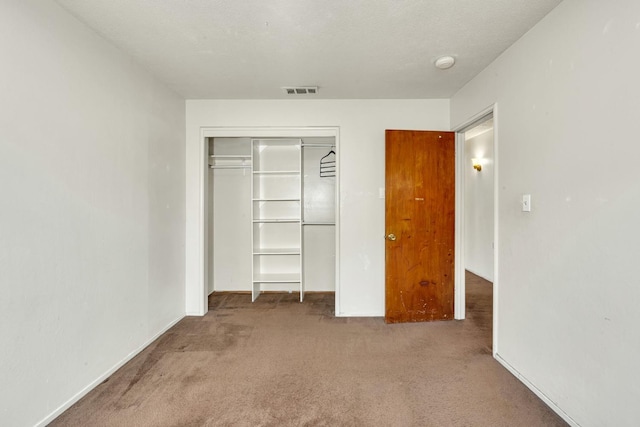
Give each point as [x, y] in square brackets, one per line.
[268, 132]
[496, 229]
[476, 118]
[337, 308]
[76, 397]
[458, 274]
[361, 314]
[254, 132]
[203, 267]
[459, 261]
[550, 403]
[300, 229]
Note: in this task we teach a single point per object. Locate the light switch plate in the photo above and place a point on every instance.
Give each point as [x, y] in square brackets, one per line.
[526, 203]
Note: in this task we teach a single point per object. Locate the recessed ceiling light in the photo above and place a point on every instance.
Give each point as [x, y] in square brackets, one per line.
[445, 62]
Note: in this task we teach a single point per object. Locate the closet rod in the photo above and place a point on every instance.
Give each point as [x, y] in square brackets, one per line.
[231, 156]
[319, 145]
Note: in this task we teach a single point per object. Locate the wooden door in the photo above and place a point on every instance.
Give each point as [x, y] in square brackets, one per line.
[420, 225]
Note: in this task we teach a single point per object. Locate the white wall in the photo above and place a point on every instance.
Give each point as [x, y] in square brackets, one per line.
[91, 206]
[568, 100]
[362, 124]
[478, 206]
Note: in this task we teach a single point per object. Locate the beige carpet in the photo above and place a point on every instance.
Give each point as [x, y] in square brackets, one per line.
[278, 362]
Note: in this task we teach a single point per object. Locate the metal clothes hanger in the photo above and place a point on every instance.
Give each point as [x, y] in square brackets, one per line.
[328, 166]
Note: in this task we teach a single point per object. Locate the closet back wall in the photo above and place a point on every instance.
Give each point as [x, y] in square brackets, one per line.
[319, 207]
[362, 124]
[229, 219]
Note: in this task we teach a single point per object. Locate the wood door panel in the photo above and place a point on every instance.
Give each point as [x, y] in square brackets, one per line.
[420, 211]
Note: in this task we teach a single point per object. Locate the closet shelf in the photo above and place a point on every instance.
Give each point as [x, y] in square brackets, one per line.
[230, 161]
[229, 166]
[277, 143]
[276, 199]
[318, 223]
[277, 251]
[259, 172]
[277, 278]
[279, 220]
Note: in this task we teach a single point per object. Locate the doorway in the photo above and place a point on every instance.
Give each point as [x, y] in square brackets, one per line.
[478, 222]
[478, 199]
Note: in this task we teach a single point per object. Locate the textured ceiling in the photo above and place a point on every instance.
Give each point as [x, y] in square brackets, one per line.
[249, 49]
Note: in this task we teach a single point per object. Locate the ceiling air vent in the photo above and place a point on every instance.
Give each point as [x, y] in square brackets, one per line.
[301, 90]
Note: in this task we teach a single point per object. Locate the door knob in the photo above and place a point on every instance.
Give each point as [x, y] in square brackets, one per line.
[391, 237]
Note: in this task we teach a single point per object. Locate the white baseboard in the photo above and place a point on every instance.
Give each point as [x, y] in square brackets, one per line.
[66, 405]
[360, 314]
[550, 403]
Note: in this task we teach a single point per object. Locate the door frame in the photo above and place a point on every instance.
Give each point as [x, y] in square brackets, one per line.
[460, 215]
[202, 249]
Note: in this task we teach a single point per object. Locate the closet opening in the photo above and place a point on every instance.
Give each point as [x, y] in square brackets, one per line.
[271, 223]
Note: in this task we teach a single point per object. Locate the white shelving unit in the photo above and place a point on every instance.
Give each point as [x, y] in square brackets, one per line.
[276, 216]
